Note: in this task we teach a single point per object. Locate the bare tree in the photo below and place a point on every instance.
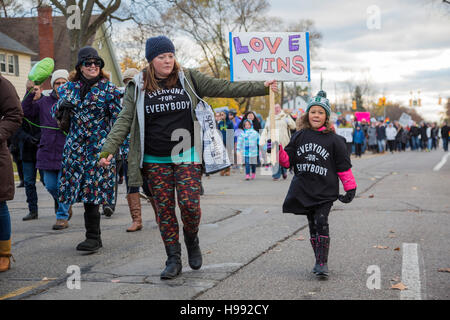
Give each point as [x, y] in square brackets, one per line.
[11, 8]
[89, 15]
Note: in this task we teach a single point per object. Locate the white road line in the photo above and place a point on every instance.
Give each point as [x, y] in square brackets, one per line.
[441, 163]
[410, 272]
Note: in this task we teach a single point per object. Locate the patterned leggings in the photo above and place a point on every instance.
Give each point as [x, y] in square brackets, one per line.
[163, 179]
[318, 220]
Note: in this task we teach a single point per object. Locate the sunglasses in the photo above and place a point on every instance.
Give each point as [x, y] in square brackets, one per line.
[88, 63]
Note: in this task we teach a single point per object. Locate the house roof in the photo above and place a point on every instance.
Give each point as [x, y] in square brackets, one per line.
[25, 31]
[10, 44]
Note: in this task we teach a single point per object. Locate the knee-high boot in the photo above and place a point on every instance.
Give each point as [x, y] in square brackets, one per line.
[173, 263]
[193, 250]
[93, 240]
[134, 203]
[323, 246]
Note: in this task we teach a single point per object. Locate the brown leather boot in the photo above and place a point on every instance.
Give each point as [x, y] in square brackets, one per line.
[134, 202]
[5, 255]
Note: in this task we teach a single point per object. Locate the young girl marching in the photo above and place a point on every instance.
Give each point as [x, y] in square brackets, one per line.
[319, 158]
[247, 148]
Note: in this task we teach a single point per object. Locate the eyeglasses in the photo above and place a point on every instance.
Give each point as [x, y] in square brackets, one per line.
[88, 63]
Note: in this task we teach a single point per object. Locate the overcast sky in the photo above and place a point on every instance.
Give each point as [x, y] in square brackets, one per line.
[406, 49]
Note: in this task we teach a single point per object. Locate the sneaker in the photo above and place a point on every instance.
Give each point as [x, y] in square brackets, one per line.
[60, 224]
[247, 177]
[253, 176]
[30, 216]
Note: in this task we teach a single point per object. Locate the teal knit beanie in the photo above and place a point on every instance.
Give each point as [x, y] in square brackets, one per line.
[320, 100]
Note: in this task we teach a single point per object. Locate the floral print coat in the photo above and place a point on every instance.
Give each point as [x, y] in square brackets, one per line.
[82, 179]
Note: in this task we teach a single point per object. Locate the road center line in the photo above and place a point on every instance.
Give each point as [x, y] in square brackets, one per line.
[410, 272]
[441, 163]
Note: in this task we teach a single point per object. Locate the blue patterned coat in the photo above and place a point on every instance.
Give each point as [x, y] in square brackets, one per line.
[82, 179]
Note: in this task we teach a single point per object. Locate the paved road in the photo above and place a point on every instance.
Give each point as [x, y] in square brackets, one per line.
[395, 231]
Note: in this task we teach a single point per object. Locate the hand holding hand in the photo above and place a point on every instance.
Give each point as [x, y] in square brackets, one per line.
[104, 162]
[348, 197]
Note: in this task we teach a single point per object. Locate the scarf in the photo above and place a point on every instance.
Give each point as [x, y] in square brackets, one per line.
[86, 84]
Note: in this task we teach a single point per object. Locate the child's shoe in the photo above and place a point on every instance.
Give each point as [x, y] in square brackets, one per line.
[247, 177]
[253, 176]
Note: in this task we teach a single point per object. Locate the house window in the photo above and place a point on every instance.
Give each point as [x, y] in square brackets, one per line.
[10, 64]
[2, 62]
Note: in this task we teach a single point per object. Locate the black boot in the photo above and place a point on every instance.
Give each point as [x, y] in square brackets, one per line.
[30, 216]
[173, 263]
[313, 241]
[323, 246]
[93, 241]
[193, 250]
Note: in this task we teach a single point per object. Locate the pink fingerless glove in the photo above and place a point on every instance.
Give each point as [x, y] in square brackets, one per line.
[347, 179]
[283, 158]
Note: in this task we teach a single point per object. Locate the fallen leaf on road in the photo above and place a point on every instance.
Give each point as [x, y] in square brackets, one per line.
[397, 249]
[371, 196]
[300, 238]
[444, 270]
[380, 247]
[391, 231]
[399, 286]
[115, 280]
[266, 211]
[48, 279]
[414, 188]
[208, 252]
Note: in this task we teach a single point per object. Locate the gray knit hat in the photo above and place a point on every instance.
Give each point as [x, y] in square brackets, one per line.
[320, 100]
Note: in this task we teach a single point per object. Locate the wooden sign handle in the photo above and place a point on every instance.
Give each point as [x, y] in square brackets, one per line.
[273, 135]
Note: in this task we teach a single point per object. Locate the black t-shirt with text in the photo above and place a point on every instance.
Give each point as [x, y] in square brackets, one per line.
[316, 158]
[166, 110]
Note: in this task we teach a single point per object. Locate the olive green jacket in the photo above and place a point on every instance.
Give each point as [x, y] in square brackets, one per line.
[132, 118]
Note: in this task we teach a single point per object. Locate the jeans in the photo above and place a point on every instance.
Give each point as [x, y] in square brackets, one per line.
[5, 222]
[277, 173]
[445, 143]
[415, 143]
[250, 164]
[381, 145]
[429, 143]
[51, 179]
[29, 177]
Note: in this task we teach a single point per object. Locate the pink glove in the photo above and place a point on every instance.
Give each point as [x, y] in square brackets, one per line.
[283, 158]
[347, 179]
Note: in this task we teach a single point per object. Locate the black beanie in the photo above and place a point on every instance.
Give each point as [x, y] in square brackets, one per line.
[89, 53]
[156, 46]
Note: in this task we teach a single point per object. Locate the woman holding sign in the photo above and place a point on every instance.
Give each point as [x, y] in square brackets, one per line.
[319, 158]
[159, 112]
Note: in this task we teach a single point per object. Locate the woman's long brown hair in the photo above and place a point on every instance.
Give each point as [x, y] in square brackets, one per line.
[151, 82]
[303, 123]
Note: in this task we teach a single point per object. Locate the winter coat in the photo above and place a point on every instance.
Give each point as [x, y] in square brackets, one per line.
[132, 118]
[247, 143]
[51, 144]
[391, 132]
[29, 136]
[372, 134]
[284, 123]
[358, 136]
[10, 120]
[414, 131]
[445, 132]
[224, 125]
[82, 180]
[381, 133]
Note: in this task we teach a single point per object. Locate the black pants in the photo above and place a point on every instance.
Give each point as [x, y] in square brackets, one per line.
[358, 149]
[318, 220]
